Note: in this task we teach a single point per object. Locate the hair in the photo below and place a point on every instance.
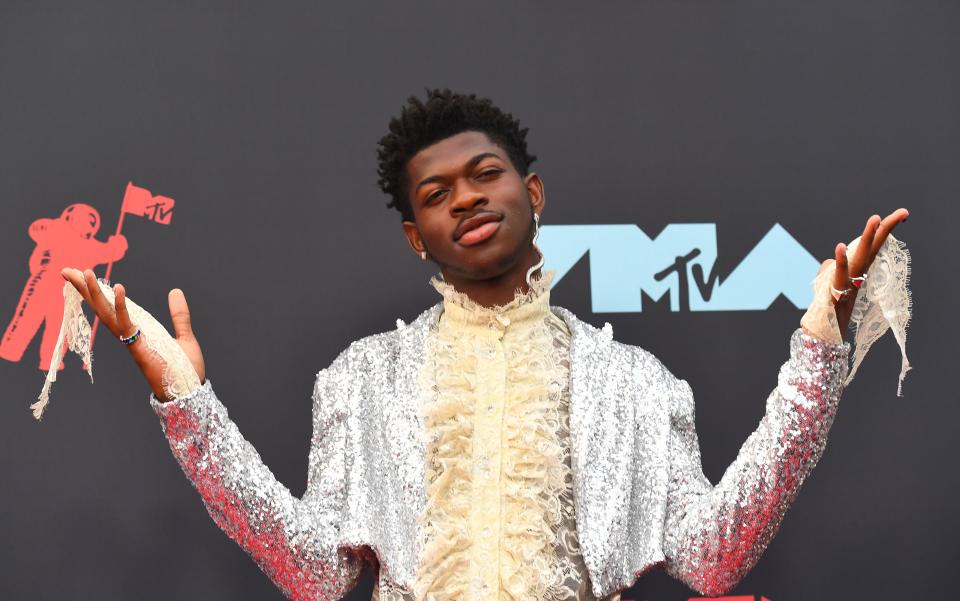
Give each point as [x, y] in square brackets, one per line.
[443, 114]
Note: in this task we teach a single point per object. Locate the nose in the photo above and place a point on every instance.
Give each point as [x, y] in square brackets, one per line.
[466, 198]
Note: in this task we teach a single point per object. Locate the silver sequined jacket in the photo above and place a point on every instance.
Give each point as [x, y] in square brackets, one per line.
[641, 498]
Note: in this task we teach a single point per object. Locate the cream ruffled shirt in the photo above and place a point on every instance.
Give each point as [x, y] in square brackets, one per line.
[499, 521]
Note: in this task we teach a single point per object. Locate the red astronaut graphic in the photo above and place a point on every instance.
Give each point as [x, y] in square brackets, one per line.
[67, 241]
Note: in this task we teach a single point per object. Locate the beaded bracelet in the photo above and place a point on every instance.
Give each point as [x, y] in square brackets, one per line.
[132, 338]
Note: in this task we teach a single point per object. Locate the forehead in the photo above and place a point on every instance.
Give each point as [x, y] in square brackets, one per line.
[450, 154]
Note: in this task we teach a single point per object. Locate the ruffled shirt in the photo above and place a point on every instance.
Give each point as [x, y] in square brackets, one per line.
[499, 521]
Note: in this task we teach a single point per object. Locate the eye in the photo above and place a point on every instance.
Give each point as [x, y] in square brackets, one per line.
[490, 172]
[434, 195]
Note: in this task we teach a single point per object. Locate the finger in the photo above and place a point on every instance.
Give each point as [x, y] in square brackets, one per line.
[99, 302]
[124, 325]
[826, 263]
[841, 274]
[75, 277]
[886, 226]
[180, 314]
[862, 255]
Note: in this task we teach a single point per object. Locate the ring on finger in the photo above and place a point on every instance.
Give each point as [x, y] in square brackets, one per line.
[128, 340]
[859, 281]
[839, 294]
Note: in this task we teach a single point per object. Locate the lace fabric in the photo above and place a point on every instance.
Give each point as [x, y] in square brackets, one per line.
[179, 377]
[499, 521]
[884, 303]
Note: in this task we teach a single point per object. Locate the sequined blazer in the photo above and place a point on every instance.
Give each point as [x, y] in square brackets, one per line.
[641, 498]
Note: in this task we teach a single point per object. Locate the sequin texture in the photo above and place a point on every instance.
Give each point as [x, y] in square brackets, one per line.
[640, 497]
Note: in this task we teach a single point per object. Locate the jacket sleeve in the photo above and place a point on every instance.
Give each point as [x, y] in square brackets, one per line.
[294, 541]
[714, 535]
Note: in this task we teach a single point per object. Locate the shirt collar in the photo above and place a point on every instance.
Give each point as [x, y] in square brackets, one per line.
[459, 308]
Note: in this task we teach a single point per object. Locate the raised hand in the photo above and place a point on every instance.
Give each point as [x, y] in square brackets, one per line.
[874, 235]
[117, 320]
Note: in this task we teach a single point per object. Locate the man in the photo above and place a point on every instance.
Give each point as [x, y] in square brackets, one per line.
[497, 447]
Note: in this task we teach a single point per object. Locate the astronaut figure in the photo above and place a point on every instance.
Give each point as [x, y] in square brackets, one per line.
[65, 241]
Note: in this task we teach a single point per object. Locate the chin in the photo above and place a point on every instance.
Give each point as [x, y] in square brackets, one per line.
[488, 265]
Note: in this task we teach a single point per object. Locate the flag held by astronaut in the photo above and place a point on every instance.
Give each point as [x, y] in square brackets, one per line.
[139, 201]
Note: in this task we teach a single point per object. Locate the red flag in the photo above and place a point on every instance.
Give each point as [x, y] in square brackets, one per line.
[139, 201]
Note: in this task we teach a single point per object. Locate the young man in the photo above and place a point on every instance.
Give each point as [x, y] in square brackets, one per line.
[498, 447]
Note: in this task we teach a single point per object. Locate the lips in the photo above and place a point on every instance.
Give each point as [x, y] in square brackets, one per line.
[475, 222]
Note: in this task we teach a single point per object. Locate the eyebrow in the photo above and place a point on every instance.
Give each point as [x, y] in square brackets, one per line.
[469, 165]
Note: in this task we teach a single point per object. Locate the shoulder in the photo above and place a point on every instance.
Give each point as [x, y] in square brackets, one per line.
[600, 343]
[645, 371]
[378, 353]
[362, 357]
[338, 390]
[364, 374]
[367, 351]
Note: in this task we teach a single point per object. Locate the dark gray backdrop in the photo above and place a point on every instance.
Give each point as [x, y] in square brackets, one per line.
[261, 121]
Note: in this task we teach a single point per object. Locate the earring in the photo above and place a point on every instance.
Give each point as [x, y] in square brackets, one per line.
[536, 233]
[423, 255]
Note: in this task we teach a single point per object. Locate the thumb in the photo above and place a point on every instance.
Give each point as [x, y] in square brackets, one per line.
[180, 314]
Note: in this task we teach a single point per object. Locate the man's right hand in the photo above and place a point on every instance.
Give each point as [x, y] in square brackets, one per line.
[118, 322]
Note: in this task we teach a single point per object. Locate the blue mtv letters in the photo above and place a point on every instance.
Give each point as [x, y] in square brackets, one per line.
[681, 260]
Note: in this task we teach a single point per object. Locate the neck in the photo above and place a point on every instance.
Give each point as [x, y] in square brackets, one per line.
[498, 290]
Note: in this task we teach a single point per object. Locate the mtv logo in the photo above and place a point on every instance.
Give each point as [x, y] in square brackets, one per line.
[680, 261]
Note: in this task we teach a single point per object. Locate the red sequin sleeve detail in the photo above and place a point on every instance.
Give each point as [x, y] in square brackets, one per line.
[294, 541]
[715, 534]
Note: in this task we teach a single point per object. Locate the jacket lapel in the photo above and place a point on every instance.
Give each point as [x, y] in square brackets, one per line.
[614, 494]
[402, 406]
[589, 438]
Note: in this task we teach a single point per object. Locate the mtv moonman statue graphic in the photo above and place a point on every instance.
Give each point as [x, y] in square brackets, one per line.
[64, 241]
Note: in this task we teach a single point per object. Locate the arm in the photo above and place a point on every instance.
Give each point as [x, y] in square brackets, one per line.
[714, 535]
[294, 541]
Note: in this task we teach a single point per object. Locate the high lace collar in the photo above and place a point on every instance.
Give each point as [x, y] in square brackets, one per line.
[529, 305]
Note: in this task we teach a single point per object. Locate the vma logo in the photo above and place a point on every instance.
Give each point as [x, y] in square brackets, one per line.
[681, 260]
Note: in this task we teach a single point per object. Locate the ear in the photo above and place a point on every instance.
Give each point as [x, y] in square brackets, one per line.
[535, 189]
[413, 237]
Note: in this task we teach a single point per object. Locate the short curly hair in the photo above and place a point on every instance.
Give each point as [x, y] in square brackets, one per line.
[443, 114]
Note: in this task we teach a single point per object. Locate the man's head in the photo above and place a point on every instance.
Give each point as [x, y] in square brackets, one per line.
[457, 170]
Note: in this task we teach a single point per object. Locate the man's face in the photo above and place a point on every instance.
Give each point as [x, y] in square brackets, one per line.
[473, 210]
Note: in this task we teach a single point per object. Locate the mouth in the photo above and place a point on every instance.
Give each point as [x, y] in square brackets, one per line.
[477, 228]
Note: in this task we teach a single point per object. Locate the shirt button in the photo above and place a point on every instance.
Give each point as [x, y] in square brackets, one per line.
[485, 532]
[490, 408]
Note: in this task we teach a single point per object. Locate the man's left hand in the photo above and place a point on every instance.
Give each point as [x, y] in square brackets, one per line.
[874, 235]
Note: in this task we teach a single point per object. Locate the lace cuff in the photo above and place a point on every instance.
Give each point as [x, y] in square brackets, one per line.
[179, 377]
[883, 303]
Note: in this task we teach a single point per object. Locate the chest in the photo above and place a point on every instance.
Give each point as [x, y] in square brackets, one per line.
[486, 381]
